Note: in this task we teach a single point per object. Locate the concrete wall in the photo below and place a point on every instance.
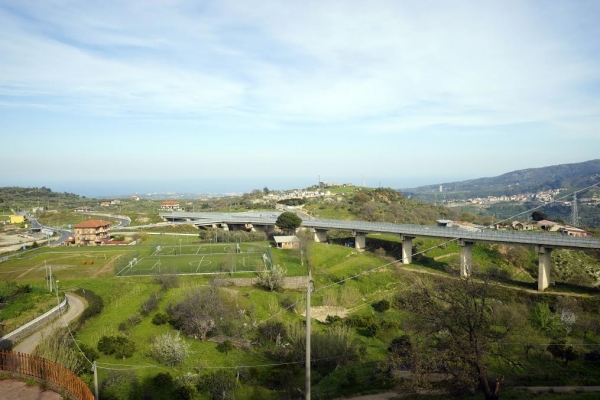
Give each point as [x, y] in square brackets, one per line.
[290, 282]
[32, 326]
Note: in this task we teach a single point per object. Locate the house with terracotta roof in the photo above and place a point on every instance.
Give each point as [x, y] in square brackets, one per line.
[170, 205]
[572, 231]
[91, 232]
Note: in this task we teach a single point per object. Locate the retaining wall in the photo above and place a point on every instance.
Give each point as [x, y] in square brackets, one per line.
[32, 326]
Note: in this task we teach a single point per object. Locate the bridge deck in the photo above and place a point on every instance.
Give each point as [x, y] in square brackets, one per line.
[489, 236]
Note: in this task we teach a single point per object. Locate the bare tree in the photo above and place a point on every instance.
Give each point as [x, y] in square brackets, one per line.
[461, 325]
[203, 310]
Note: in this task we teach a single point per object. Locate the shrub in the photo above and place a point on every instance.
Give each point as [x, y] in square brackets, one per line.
[330, 348]
[119, 346]
[185, 386]
[387, 325]
[333, 319]
[360, 321]
[219, 384]
[6, 345]
[225, 347]
[134, 319]
[560, 349]
[371, 330]
[288, 303]
[26, 288]
[273, 278]
[89, 352]
[381, 306]
[95, 304]
[119, 385]
[270, 331]
[499, 273]
[150, 304]
[593, 356]
[167, 281]
[162, 379]
[169, 349]
[160, 319]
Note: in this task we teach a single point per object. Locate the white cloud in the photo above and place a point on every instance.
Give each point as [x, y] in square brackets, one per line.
[308, 61]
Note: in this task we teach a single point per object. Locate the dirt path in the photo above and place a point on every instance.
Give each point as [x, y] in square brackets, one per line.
[76, 307]
[444, 256]
[108, 266]
[532, 389]
[377, 396]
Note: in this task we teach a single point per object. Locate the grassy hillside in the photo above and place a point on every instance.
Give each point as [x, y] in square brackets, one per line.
[359, 300]
[381, 204]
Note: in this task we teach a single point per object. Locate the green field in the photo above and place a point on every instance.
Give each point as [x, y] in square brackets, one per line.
[199, 259]
[66, 263]
[176, 255]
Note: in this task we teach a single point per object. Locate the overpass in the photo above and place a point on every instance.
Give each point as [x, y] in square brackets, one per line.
[544, 243]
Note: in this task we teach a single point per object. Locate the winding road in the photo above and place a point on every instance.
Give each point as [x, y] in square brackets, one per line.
[76, 307]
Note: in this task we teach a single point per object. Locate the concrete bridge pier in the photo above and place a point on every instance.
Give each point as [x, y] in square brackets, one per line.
[406, 248]
[545, 263]
[360, 240]
[466, 257]
[320, 236]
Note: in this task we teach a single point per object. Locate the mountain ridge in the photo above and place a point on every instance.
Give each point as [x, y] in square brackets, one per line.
[560, 176]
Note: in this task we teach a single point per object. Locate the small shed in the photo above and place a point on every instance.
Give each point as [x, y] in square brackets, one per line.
[445, 222]
[286, 242]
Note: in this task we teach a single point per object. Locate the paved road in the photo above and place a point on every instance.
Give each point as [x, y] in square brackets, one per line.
[76, 307]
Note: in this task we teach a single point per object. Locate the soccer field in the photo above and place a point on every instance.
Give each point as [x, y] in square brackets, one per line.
[200, 259]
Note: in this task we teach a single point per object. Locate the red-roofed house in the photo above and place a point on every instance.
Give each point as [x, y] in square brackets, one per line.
[91, 232]
[572, 231]
[170, 205]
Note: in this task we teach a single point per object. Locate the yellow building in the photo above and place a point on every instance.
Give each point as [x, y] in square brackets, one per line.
[17, 219]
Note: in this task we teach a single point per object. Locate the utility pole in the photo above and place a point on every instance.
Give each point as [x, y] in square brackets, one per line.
[309, 285]
[95, 369]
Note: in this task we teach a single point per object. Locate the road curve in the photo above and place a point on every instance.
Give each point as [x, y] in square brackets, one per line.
[76, 307]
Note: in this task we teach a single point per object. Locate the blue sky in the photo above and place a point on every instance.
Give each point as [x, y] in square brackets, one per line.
[145, 96]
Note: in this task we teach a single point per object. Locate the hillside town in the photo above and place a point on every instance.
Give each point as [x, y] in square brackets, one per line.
[544, 197]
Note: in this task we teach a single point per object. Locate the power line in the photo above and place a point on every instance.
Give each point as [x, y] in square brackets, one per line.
[323, 288]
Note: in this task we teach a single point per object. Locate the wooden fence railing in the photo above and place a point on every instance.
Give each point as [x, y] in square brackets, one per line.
[49, 371]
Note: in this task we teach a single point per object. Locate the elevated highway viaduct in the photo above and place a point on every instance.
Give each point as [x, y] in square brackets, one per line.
[542, 242]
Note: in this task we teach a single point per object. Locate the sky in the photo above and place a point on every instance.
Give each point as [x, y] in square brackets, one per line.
[121, 97]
